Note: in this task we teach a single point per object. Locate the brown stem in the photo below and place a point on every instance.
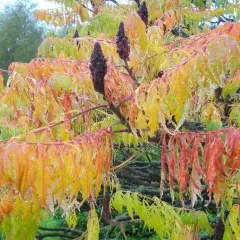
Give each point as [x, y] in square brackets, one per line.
[122, 131]
[5, 71]
[124, 100]
[72, 117]
[137, 180]
[63, 229]
[121, 220]
[61, 235]
[130, 72]
[127, 162]
[117, 112]
[85, 6]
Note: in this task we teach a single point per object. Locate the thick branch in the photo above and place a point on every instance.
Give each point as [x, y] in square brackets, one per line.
[121, 220]
[62, 229]
[41, 236]
[136, 179]
[117, 112]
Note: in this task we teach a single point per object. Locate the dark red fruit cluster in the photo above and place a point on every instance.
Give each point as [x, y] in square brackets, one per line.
[98, 68]
[219, 231]
[143, 13]
[122, 41]
[76, 35]
[138, 3]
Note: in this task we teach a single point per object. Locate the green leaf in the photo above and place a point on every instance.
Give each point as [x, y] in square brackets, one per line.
[214, 125]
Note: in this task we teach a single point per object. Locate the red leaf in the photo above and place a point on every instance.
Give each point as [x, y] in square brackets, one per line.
[195, 157]
[183, 174]
[211, 173]
[172, 160]
[66, 102]
[233, 142]
[163, 164]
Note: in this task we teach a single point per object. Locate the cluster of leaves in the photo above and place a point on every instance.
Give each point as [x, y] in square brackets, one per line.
[176, 90]
[160, 216]
[49, 172]
[195, 157]
[63, 16]
[44, 90]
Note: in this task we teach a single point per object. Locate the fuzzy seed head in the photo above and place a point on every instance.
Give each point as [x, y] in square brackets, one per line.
[122, 41]
[76, 35]
[138, 3]
[143, 13]
[98, 68]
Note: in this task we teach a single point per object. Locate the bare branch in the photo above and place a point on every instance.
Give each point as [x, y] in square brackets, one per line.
[124, 100]
[127, 162]
[61, 235]
[130, 72]
[113, 1]
[63, 229]
[85, 6]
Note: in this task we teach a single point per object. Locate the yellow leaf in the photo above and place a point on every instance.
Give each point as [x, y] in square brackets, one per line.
[64, 134]
[209, 113]
[1, 83]
[23, 121]
[93, 225]
[72, 219]
[136, 30]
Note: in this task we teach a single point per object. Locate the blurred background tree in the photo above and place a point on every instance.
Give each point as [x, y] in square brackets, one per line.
[20, 33]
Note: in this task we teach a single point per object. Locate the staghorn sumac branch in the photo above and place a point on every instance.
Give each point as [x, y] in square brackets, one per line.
[117, 112]
[130, 72]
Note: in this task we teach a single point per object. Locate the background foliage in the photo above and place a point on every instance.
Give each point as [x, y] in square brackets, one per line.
[20, 33]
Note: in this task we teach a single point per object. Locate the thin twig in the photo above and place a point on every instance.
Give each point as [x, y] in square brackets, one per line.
[130, 72]
[113, 1]
[61, 235]
[5, 71]
[124, 100]
[85, 6]
[72, 117]
[122, 130]
[62, 229]
[127, 162]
